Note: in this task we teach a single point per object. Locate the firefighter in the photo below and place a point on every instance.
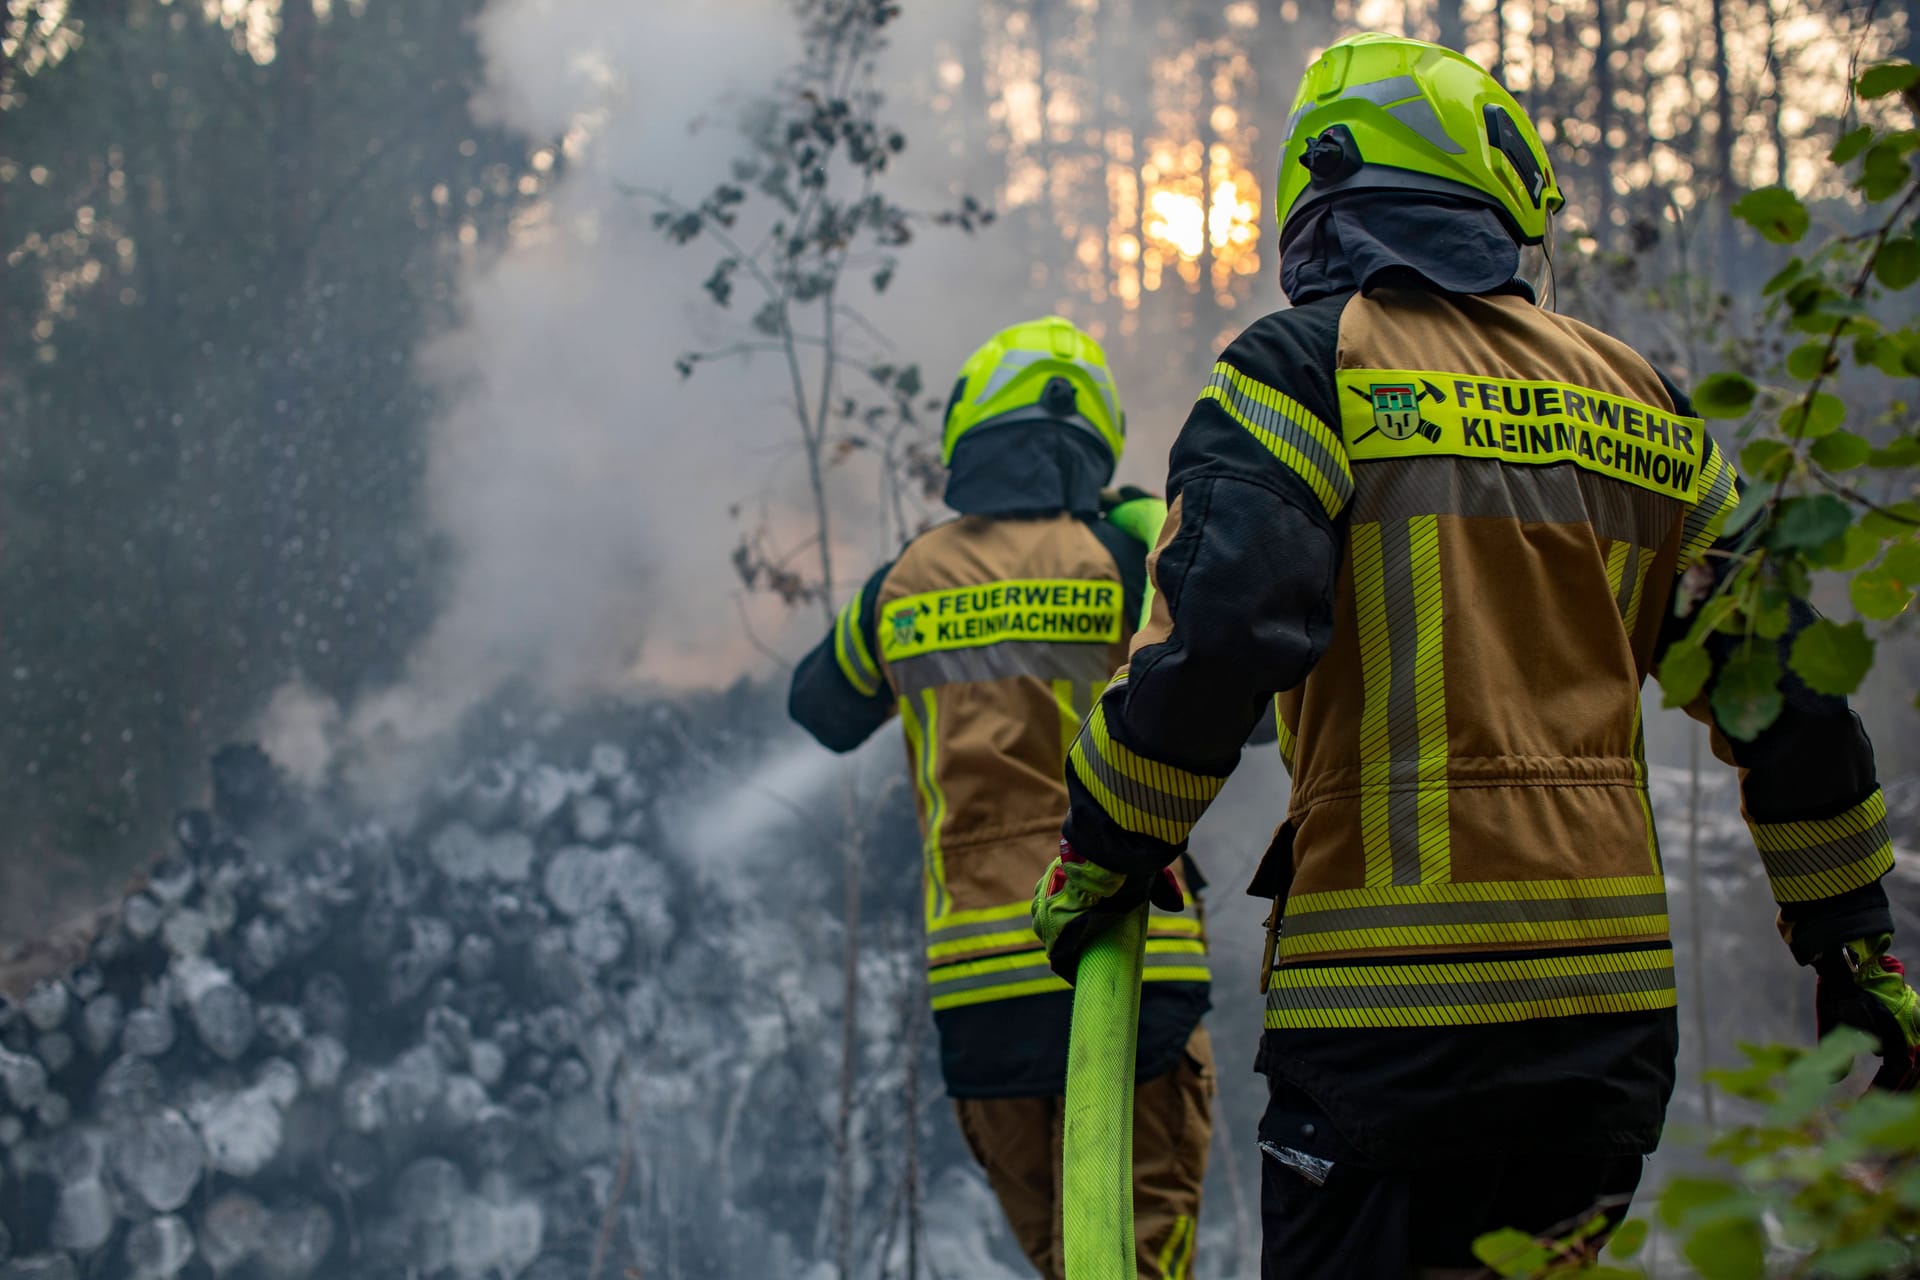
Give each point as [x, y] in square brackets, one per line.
[1444, 527]
[991, 636]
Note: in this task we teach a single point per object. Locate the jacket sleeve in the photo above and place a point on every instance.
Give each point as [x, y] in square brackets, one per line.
[839, 694]
[1807, 782]
[1242, 583]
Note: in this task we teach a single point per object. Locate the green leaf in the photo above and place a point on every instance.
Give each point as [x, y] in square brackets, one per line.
[1683, 1195]
[1832, 657]
[1878, 594]
[1808, 361]
[1841, 451]
[1629, 1238]
[1766, 459]
[1683, 672]
[1746, 696]
[1863, 1260]
[1732, 1249]
[1774, 212]
[1803, 421]
[1898, 263]
[1884, 172]
[1886, 78]
[1904, 452]
[1785, 276]
[1724, 395]
[1903, 564]
[1851, 144]
[1857, 548]
[1903, 519]
[1511, 1252]
[1809, 522]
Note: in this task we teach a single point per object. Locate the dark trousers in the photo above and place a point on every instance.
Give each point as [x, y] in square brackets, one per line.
[1326, 1213]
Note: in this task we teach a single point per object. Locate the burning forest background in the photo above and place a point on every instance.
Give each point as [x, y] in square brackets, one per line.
[408, 520]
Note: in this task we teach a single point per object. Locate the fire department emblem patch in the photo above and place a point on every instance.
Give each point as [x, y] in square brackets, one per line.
[1396, 409]
[906, 625]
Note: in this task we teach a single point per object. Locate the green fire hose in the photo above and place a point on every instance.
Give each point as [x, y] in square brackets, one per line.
[1097, 1177]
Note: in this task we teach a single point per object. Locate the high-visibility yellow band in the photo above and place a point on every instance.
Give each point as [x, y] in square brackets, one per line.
[1462, 993]
[979, 915]
[1139, 794]
[1475, 891]
[850, 651]
[1398, 918]
[1303, 443]
[1177, 1253]
[1376, 676]
[1707, 519]
[1284, 738]
[1417, 413]
[1807, 861]
[1080, 610]
[981, 942]
[923, 745]
[1025, 973]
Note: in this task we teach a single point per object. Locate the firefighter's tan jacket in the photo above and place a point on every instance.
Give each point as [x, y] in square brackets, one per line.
[1447, 531]
[991, 638]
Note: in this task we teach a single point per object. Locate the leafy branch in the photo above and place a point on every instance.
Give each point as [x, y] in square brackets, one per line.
[1801, 517]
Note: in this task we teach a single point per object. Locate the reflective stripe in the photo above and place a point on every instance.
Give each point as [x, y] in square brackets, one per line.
[1462, 993]
[1403, 713]
[1306, 445]
[1806, 861]
[1013, 363]
[1402, 488]
[1428, 606]
[1284, 738]
[1617, 570]
[922, 747]
[1376, 750]
[1009, 659]
[1142, 795]
[850, 650]
[1484, 913]
[1076, 700]
[1010, 926]
[1636, 591]
[1706, 520]
[1177, 1253]
[1025, 973]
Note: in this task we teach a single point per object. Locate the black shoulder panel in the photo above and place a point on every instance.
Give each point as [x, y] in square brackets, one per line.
[823, 700]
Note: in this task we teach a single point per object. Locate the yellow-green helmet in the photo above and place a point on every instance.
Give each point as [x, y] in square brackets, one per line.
[1385, 113]
[1037, 371]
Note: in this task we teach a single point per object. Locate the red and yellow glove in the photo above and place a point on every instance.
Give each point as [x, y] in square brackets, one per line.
[1076, 898]
[1861, 986]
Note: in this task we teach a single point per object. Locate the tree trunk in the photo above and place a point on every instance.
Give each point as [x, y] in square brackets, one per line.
[1451, 17]
[1600, 164]
[1723, 132]
[1776, 97]
[1499, 64]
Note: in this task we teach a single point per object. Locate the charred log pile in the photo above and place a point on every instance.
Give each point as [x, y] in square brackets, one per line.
[355, 1051]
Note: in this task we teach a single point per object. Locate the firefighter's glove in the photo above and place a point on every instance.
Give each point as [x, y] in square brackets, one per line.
[1861, 986]
[1076, 899]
